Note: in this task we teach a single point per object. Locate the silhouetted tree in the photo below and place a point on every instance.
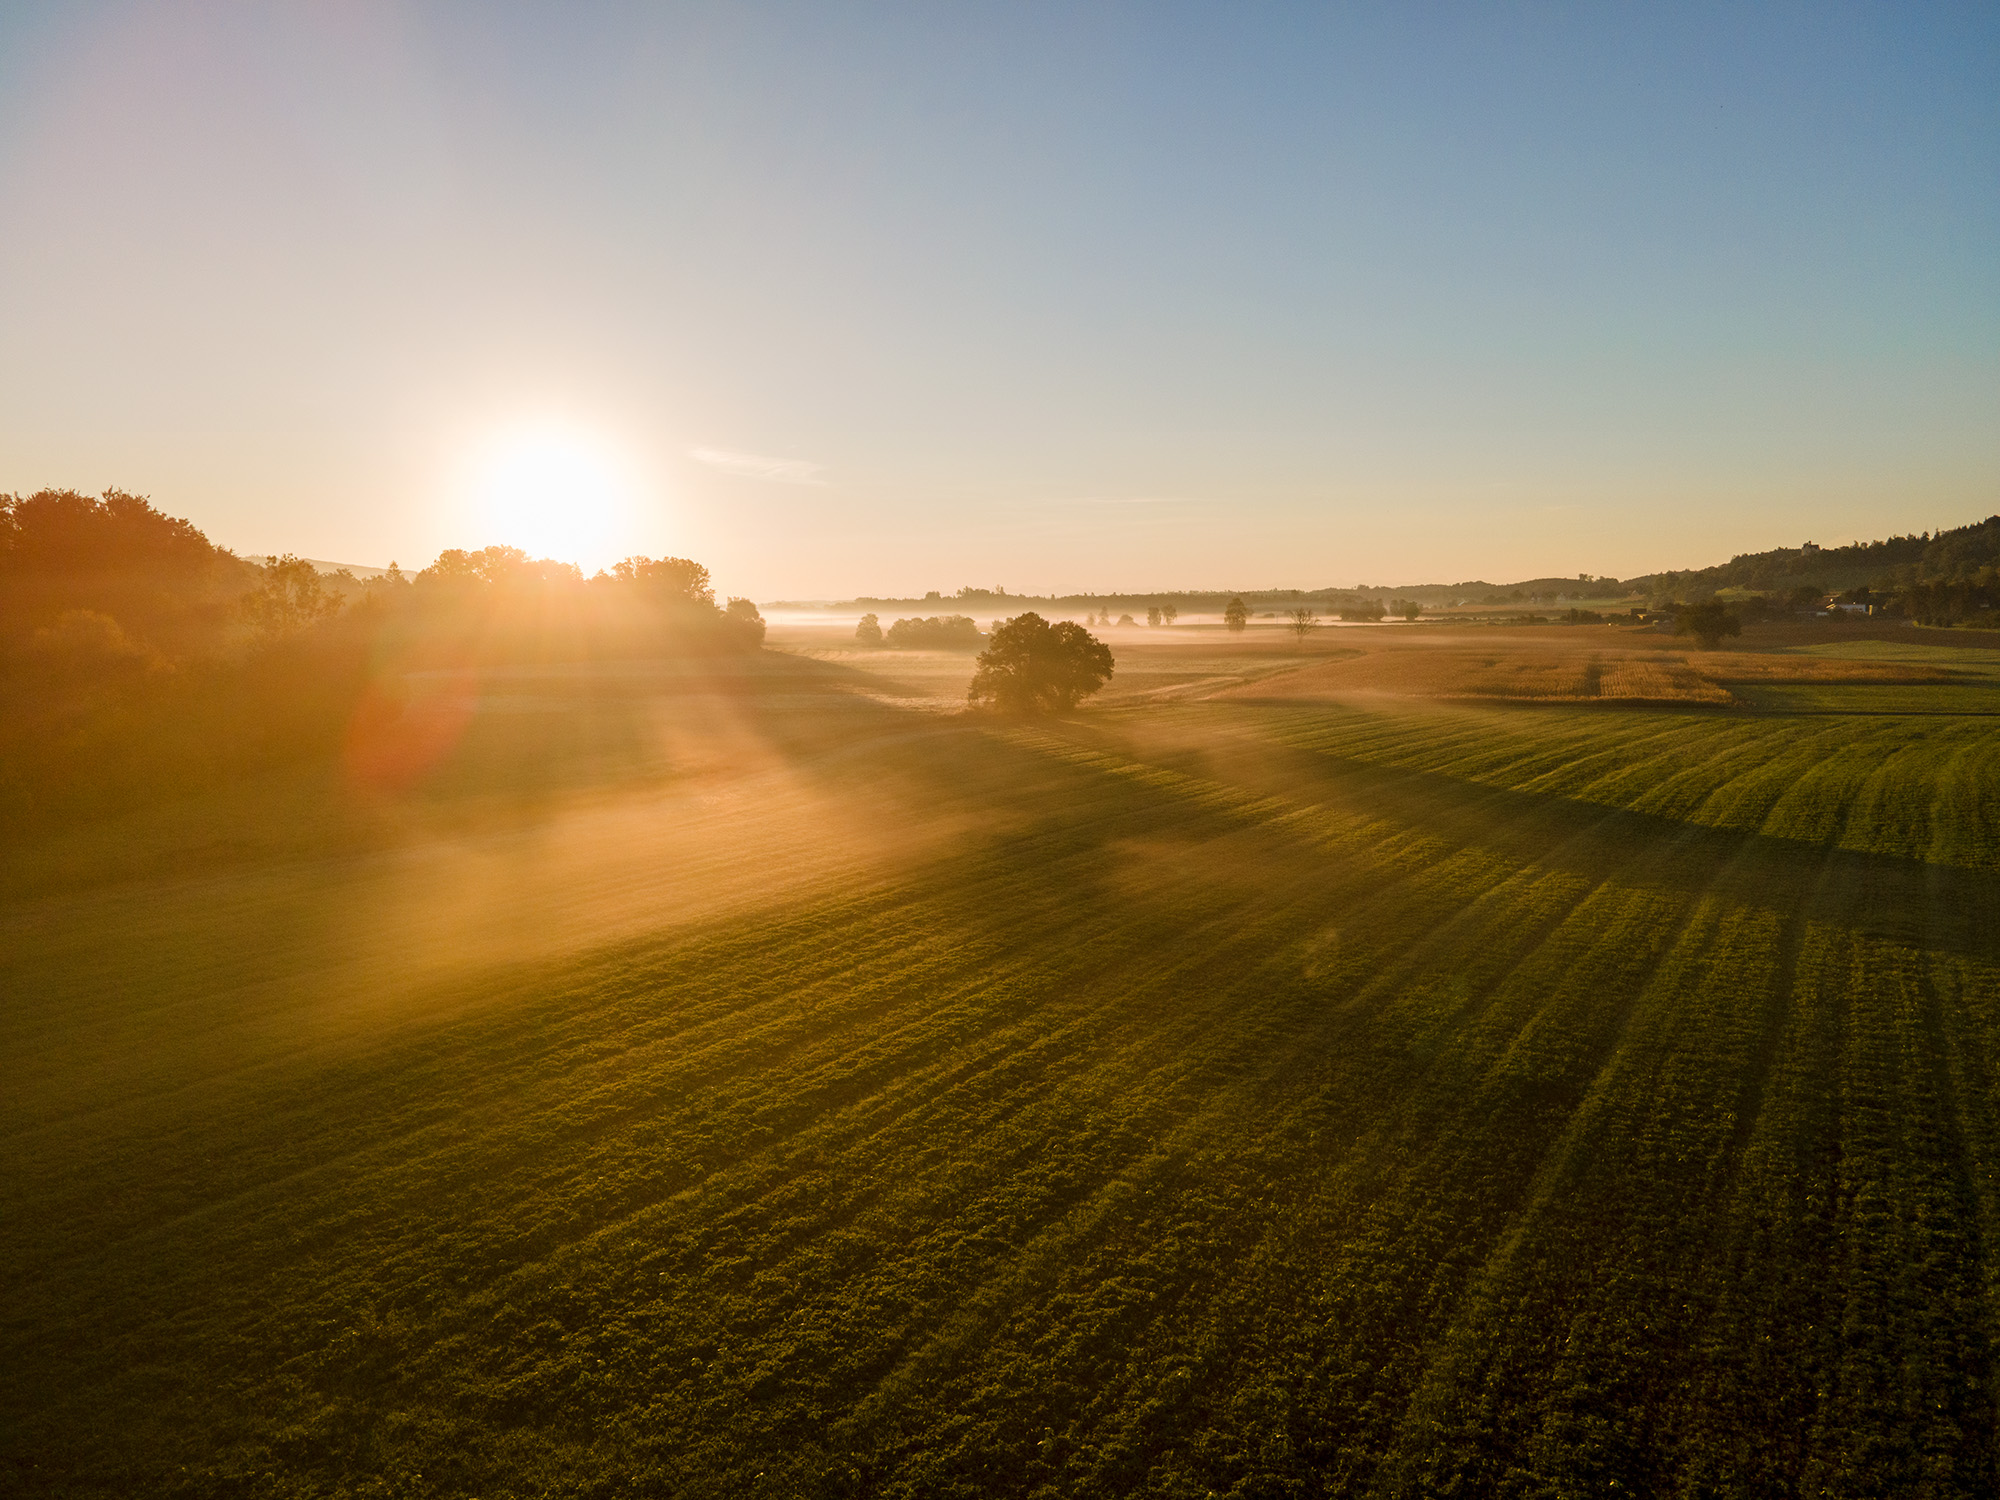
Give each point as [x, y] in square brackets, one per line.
[869, 631]
[86, 649]
[288, 598]
[507, 568]
[671, 577]
[158, 577]
[1153, 615]
[749, 623]
[938, 633]
[390, 584]
[1169, 613]
[1235, 616]
[125, 675]
[1031, 666]
[1707, 623]
[1303, 621]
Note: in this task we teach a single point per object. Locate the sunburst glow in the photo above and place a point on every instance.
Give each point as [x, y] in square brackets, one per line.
[553, 490]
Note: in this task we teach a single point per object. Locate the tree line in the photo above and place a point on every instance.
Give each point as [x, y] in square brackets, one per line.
[136, 656]
[138, 659]
[1973, 601]
[1897, 565]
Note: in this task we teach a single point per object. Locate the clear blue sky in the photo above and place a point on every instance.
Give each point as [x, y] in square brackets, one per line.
[868, 298]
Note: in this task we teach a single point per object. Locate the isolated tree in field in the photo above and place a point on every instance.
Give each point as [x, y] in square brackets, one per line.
[1303, 621]
[1708, 623]
[1153, 615]
[1030, 666]
[1409, 609]
[1235, 616]
[869, 631]
[1169, 613]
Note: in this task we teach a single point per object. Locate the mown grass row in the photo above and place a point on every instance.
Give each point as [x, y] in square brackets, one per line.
[1789, 778]
[1235, 1100]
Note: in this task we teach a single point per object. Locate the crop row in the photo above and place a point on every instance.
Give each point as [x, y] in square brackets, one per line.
[1269, 1100]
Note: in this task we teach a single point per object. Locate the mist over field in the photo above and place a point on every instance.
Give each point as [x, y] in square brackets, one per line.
[500, 1031]
[932, 753]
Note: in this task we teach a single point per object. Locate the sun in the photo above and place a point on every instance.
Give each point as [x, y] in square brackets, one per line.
[553, 490]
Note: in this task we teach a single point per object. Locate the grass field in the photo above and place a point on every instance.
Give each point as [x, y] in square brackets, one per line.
[1302, 1073]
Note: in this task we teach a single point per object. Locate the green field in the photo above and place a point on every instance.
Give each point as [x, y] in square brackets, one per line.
[778, 1085]
[1976, 690]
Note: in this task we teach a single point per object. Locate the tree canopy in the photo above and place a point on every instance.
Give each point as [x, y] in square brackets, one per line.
[496, 567]
[670, 577]
[1031, 666]
[938, 633]
[137, 659]
[289, 597]
[115, 555]
[747, 618]
[1708, 623]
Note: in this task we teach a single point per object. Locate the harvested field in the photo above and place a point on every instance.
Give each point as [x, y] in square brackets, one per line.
[785, 1091]
[1560, 664]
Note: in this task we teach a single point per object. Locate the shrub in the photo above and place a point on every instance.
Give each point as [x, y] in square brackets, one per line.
[938, 633]
[749, 624]
[1708, 623]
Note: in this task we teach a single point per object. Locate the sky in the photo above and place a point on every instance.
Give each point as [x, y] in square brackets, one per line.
[859, 299]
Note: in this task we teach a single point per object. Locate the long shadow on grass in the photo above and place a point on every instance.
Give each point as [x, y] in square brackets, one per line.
[936, 760]
[1933, 906]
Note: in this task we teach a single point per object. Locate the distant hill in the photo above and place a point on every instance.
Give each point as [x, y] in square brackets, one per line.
[359, 570]
[1959, 555]
[1955, 556]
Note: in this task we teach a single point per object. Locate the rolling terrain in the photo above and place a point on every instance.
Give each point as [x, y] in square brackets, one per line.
[1377, 1067]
